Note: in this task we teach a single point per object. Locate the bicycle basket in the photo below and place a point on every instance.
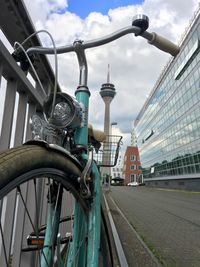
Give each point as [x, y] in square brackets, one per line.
[108, 153]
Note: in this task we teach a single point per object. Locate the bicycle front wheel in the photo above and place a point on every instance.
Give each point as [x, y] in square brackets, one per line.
[38, 190]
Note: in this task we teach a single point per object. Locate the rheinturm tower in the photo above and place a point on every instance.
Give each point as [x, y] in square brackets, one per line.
[107, 93]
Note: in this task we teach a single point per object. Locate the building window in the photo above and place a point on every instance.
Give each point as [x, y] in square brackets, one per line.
[133, 158]
[132, 177]
[133, 167]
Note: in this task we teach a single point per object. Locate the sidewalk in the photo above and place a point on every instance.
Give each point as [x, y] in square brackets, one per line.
[136, 252]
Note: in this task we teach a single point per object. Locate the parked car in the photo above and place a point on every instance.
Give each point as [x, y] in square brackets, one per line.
[133, 184]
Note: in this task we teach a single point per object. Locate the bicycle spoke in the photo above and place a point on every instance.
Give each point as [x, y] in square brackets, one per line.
[27, 212]
[37, 217]
[44, 209]
[53, 218]
[37, 229]
[29, 216]
[71, 211]
[4, 246]
[79, 247]
[45, 257]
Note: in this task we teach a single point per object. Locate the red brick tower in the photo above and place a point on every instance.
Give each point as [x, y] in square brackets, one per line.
[132, 165]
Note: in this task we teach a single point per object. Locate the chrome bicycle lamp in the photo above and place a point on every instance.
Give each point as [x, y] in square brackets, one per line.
[67, 112]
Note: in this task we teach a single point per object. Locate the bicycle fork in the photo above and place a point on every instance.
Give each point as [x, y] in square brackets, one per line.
[54, 209]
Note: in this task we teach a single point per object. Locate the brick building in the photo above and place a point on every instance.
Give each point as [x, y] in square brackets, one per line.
[132, 167]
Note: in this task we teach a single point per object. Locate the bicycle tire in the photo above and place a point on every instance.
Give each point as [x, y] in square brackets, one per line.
[35, 167]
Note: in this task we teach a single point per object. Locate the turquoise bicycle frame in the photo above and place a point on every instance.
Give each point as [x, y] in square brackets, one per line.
[89, 226]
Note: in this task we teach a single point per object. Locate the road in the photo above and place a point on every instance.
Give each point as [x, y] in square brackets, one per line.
[167, 220]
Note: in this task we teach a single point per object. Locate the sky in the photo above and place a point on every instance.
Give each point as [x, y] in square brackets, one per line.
[101, 6]
[134, 64]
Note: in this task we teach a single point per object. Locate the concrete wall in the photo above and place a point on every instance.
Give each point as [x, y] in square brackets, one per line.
[192, 184]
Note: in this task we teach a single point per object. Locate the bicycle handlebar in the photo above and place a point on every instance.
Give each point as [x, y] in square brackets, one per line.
[164, 44]
[153, 38]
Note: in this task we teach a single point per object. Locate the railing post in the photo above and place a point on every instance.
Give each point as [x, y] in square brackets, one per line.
[8, 114]
[20, 122]
[31, 111]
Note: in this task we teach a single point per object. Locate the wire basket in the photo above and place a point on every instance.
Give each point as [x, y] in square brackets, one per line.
[108, 153]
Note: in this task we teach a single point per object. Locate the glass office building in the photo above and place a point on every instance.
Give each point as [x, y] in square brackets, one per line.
[168, 126]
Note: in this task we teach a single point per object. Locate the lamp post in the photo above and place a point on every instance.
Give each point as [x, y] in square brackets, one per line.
[112, 124]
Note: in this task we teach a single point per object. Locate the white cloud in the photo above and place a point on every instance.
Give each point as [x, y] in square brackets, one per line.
[135, 65]
[40, 10]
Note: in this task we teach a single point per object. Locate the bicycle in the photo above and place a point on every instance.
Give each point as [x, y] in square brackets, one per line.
[59, 161]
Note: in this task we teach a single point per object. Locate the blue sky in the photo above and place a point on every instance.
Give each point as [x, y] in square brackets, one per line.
[132, 60]
[84, 7]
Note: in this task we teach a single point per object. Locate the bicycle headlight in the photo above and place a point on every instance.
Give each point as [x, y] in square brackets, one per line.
[67, 111]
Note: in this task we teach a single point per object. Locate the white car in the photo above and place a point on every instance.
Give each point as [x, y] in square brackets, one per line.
[133, 184]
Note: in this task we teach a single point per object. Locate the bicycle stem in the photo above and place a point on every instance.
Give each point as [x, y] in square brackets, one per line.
[82, 93]
[80, 52]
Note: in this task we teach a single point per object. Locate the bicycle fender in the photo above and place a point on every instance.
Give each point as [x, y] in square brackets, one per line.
[56, 148]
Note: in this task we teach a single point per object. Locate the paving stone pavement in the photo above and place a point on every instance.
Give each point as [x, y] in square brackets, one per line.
[168, 220]
[136, 252]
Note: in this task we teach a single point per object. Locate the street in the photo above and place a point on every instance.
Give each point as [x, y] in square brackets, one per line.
[168, 221]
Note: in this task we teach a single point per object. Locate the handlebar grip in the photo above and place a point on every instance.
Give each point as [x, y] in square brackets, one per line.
[164, 44]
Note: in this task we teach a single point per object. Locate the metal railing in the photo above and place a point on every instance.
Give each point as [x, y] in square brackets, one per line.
[20, 100]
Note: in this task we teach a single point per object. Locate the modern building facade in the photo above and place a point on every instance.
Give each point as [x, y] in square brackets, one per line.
[168, 126]
[117, 171]
[133, 137]
[132, 167]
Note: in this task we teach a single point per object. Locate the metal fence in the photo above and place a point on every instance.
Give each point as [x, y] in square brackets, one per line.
[19, 100]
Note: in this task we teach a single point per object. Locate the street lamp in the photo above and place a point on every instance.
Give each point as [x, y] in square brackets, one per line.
[113, 124]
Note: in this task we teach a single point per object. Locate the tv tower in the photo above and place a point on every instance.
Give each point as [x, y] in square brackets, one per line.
[107, 93]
